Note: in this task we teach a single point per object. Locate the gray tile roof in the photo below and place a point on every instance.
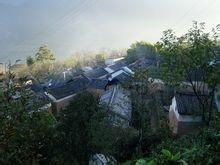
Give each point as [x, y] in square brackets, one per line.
[187, 104]
[123, 77]
[98, 83]
[96, 73]
[76, 85]
[118, 65]
[118, 102]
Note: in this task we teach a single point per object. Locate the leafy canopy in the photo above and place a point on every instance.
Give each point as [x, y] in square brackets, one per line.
[188, 57]
[44, 54]
[139, 50]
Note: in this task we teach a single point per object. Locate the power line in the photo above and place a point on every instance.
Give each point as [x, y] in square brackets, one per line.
[80, 13]
[180, 20]
[71, 13]
[61, 20]
[207, 6]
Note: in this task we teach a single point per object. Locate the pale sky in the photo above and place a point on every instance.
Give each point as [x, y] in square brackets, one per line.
[69, 26]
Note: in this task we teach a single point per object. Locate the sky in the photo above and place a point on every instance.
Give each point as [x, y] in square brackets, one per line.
[69, 26]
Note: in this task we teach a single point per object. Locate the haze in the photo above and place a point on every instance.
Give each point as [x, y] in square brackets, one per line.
[91, 25]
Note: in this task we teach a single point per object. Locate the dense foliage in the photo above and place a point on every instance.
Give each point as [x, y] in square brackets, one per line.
[140, 50]
[25, 134]
[191, 59]
[78, 128]
[201, 148]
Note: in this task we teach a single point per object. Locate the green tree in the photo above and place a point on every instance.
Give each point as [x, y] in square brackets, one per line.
[100, 58]
[83, 127]
[141, 112]
[26, 135]
[191, 58]
[42, 65]
[147, 115]
[139, 50]
[29, 61]
[44, 54]
[201, 148]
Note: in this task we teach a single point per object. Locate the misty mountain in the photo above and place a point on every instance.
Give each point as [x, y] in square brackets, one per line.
[87, 25]
[24, 27]
[68, 26]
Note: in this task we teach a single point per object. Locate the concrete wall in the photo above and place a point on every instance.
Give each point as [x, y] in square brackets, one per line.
[188, 127]
[183, 124]
[173, 121]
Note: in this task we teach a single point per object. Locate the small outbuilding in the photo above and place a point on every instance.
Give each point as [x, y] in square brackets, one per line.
[185, 116]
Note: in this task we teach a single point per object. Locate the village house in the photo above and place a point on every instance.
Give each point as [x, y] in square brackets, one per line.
[118, 72]
[115, 66]
[119, 105]
[62, 95]
[97, 86]
[96, 80]
[185, 115]
[120, 76]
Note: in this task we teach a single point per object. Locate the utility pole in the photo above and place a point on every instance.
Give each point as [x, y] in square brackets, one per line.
[64, 75]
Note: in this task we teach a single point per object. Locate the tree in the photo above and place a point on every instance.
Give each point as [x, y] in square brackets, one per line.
[26, 135]
[139, 50]
[141, 112]
[41, 65]
[100, 58]
[82, 123]
[29, 61]
[44, 54]
[190, 58]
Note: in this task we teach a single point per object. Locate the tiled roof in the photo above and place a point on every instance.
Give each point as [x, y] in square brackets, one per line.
[187, 104]
[123, 77]
[98, 83]
[96, 73]
[76, 85]
[118, 102]
[118, 65]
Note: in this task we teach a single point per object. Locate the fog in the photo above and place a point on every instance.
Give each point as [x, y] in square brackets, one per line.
[69, 26]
